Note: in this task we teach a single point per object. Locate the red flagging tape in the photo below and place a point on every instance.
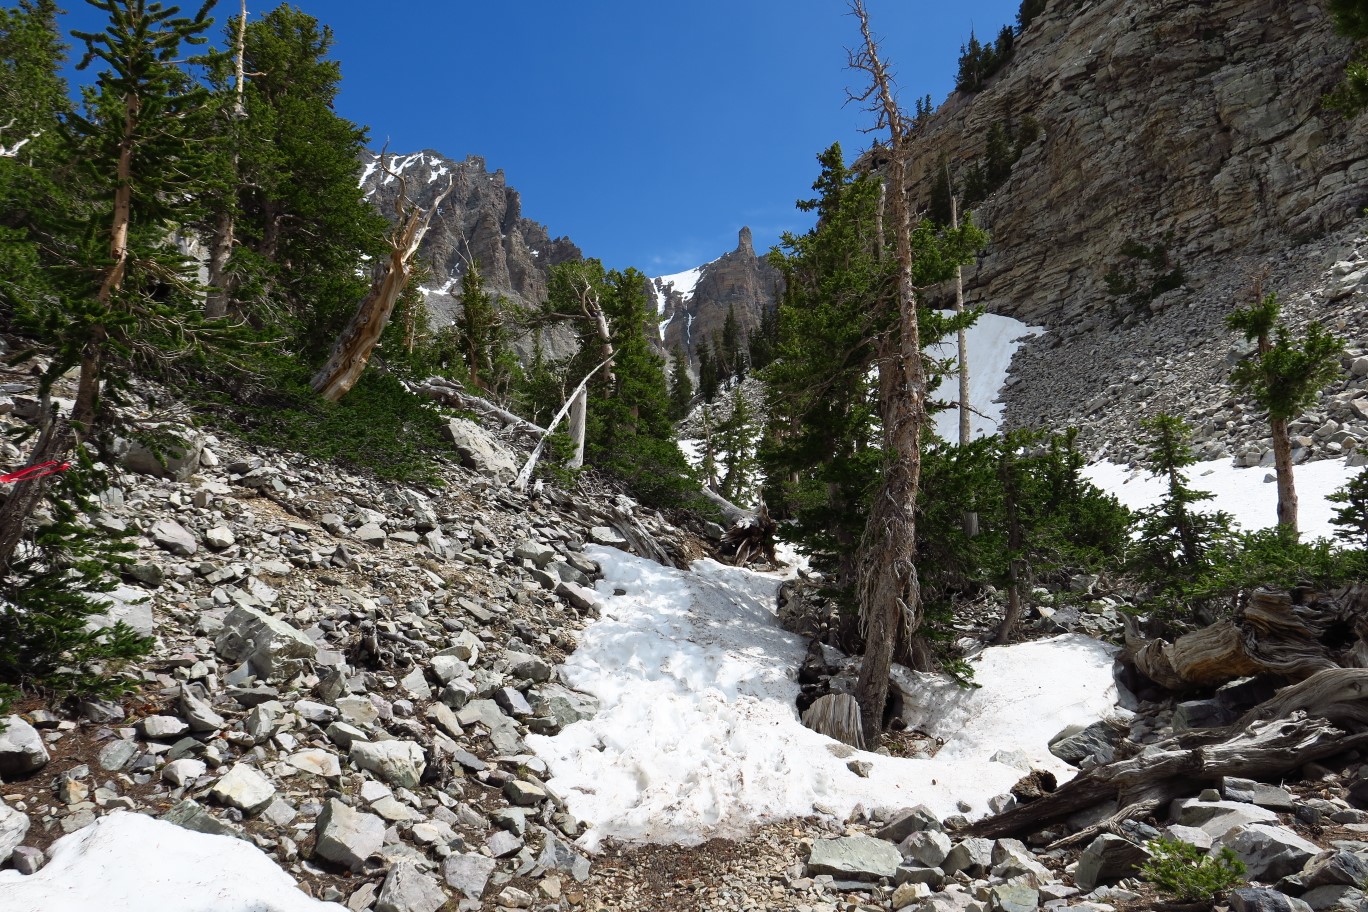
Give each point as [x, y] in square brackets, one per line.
[35, 471]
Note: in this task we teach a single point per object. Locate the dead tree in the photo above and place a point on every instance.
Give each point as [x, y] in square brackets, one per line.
[354, 347]
[890, 593]
[1271, 634]
[222, 239]
[1324, 715]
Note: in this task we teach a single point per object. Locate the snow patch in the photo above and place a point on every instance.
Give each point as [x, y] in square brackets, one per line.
[992, 341]
[683, 282]
[698, 735]
[126, 862]
[1243, 493]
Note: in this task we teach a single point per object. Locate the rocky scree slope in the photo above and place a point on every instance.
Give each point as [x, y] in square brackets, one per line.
[482, 221]
[343, 671]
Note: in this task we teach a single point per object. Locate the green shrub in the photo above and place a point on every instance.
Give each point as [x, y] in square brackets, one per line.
[378, 427]
[1187, 873]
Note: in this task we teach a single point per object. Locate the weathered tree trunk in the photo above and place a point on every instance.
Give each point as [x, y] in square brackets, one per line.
[1264, 748]
[579, 410]
[1282, 465]
[890, 593]
[221, 245]
[354, 347]
[24, 496]
[1269, 635]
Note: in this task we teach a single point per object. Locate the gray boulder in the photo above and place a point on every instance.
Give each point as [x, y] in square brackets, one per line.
[407, 889]
[400, 763]
[21, 749]
[909, 821]
[348, 837]
[1334, 868]
[853, 858]
[480, 452]
[468, 873]
[191, 815]
[557, 855]
[972, 856]
[1106, 860]
[1261, 899]
[243, 788]
[1268, 851]
[177, 461]
[170, 535]
[126, 604]
[1074, 745]
[14, 827]
[927, 848]
[272, 649]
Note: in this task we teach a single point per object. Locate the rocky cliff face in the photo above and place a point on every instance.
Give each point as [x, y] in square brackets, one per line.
[481, 221]
[1196, 122]
[1193, 135]
[694, 304]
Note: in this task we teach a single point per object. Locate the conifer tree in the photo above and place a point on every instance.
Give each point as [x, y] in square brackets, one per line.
[1351, 21]
[484, 347]
[1283, 377]
[681, 387]
[708, 373]
[736, 439]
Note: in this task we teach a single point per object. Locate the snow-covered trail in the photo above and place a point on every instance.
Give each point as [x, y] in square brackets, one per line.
[698, 735]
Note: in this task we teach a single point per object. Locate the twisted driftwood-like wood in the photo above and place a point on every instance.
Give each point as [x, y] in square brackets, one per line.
[1272, 634]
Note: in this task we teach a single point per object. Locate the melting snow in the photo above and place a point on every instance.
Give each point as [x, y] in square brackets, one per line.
[698, 734]
[684, 282]
[992, 341]
[1243, 493]
[126, 862]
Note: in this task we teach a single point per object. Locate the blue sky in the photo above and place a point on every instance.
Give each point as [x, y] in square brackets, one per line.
[647, 132]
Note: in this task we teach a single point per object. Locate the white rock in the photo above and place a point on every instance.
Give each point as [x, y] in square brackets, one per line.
[243, 788]
[21, 748]
[400, 763]
[183, 771]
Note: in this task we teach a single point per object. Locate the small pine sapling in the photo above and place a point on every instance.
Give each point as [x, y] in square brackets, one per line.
[1188, 874]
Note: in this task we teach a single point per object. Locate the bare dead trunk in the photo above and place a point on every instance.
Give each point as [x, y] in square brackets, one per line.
[24, 496]
[890, 593]
[578, 413]
[354, 347]
[1269, 635]
[225, 226]
[965, 433]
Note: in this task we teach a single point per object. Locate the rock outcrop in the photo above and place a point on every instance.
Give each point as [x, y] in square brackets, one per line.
[480, 221]
[738, 281]
[1197, 122]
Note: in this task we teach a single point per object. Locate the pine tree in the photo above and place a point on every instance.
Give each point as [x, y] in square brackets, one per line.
[736, 439]
[731, 348]
[709, 379]
[484, 347]
[681, 387]
[1351, 519]
[1351, 20]
[303, 228]
[1283, 377]
[1177, 542]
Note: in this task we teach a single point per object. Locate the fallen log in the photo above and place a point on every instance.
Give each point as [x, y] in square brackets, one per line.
[1167, 770]
[1271, 634]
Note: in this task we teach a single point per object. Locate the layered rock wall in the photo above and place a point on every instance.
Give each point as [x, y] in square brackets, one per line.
[1199, 122]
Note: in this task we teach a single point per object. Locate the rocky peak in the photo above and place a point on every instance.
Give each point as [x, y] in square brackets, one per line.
[694, 304]
[481, 221]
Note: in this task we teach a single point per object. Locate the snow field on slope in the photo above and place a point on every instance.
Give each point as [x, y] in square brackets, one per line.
[698, 735]
[127, 862]
[1243, 493]
[991, 342]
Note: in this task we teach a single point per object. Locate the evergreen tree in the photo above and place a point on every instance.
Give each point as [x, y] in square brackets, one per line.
[1178, 544]
[763, 341]
[681, 387]
[628, 432]
[1283, 377]
[736, 439]
[483, 342]
[303, 229]
[1351, 519]
[709, 379]
[731, 348]
[1028, 12]
[1351, 21]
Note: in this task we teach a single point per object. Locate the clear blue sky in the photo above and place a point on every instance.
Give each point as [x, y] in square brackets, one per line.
[647, 132]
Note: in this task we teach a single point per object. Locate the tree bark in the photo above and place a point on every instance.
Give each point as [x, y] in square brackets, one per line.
[25, 495]
[890, 593]
[354, 347]
[1270, 635]
[1265, 748]
[1282, 465]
